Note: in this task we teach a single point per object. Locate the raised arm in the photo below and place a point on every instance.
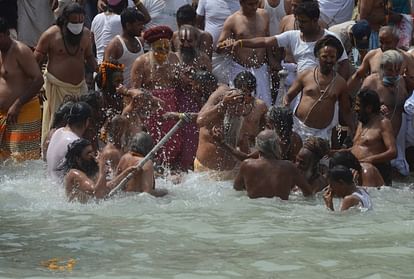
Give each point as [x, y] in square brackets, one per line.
[143, 10]
[294, 90]
[137, 72]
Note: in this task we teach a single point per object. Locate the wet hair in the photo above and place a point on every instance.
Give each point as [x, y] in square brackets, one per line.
[281, 117]
[267, 142]
[345, 158]
[116, 123]
[118, 8]
[245, 79]
[131, 15]
[60, 116]
[69, 9]
[341, 173]
[318, 146]
[391, 29]
[393, 57]
[331, 41]
[141, 143]
[4, 26]
[368, 97]
[79, 113]
[186, 15]
[74, 152]
[309, 9]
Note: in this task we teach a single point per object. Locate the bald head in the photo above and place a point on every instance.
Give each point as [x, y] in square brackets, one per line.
[388, 37]
[267, 143]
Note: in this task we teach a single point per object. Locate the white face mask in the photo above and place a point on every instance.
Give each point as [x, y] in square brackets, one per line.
[75, 28]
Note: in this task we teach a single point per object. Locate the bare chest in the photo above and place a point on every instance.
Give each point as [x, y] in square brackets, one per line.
[249, 28]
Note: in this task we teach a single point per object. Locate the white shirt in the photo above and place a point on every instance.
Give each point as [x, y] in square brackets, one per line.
[215, 13]
[336, 11]
[56, 152]
[302, 51]
[164, 12]
[105, 26]
[275, 15]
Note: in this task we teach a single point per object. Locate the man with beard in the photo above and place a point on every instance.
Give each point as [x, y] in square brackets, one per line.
[248, 22]
[157, 71]
[84, 178]
[269, 176]
[374, 140]
[77, 123]
[67, 46]
[236, 114]
[322, 89]
[127, 47]
[308, 161]
[143, 180]
[392, 92]
[389, 37]
[20, 82]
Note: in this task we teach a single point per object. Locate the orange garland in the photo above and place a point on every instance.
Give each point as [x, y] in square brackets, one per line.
[108, 65]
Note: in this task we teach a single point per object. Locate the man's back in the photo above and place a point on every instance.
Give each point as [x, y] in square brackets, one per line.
[142, 181]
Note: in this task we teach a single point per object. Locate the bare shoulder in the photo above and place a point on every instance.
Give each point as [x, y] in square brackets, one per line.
[23, 48]
[263, 13]
[260, 105]
[386, 123]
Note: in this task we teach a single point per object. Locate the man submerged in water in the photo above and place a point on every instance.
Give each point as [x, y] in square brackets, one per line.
[341, 185]
[277, 177]
[84, 177]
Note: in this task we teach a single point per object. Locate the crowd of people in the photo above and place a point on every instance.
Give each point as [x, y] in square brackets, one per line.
[277, 95]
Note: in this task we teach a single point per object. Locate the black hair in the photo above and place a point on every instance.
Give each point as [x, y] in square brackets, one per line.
[141, 143]
[345, 158]
[205, 78]
[331, 41]
[118, 8]
[60, 116]
[92, 99]
[71, 8]
[245, 78]
[368, 97]
[74, 152]
[282, 117]
[186, 15]
[79, 113]
[309, 9]
[131, 15]
[4, 26]
[341, 173]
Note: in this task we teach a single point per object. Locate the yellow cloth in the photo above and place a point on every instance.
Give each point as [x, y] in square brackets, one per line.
[56, 91]
[215, 174]
[21, 141]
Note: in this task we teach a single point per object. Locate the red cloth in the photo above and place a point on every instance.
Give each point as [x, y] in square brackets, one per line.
[158, 32]
[157, 127]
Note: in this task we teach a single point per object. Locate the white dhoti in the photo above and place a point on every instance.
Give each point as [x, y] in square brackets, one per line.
[400, 163]
[306, 132]
[221, 65]
[262, 80]
[56, 91]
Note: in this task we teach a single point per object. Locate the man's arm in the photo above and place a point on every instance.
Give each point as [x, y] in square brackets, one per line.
[143, 10]
[294, 90]
[42, 48]
[301, 182]
[113, 51]
[345, 108]
[89, 56]
[388, 138]
[226, 35]
[137, 72]
[348, 202]
[239, 181]
[355, 81]
[201, 14]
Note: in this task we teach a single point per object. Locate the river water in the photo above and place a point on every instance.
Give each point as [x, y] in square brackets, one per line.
[202, 229]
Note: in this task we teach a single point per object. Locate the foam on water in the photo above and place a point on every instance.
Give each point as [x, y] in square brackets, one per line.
[201, 229]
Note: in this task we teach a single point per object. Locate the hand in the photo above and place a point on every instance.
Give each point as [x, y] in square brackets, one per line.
[384, 110]
[230, 44]
[101, 5]
[171, 116]
[13, 113]
[235, 97]
[328, 198]
[217, 135]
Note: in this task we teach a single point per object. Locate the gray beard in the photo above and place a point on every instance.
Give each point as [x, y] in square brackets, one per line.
[232, 127]
[188, 55]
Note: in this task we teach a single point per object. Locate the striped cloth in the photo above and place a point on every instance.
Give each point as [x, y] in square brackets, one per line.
[21, 141]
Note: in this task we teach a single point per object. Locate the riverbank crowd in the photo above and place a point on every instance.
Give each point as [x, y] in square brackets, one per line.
[276, 95]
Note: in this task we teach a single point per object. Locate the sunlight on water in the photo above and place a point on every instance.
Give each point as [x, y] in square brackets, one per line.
[201, 229]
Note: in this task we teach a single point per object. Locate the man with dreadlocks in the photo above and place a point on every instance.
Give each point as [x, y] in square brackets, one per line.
[277, 177]
[322, 89]
[67, 45]
[281, 121]
[84, 178]
[308, 158]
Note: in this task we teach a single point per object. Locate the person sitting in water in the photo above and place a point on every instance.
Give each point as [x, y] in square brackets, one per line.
[374, 140]
[268, 176]
[308, 161]
[281, 120]
[84, 178]
[341, 185]
[365, 174]
[77, 124]
[143, 181]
